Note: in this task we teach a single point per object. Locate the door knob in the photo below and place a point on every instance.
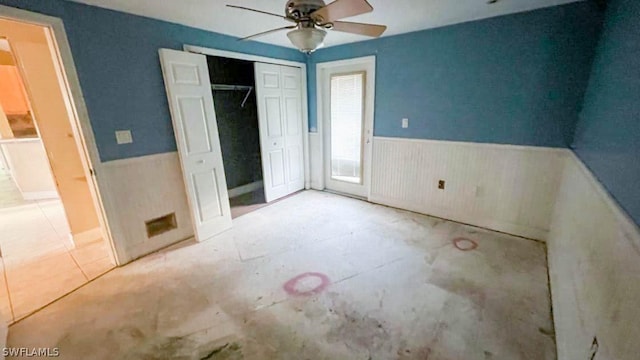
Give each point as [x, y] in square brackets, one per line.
[200, 161]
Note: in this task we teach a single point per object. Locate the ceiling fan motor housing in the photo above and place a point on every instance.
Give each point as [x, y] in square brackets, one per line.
[301, 9]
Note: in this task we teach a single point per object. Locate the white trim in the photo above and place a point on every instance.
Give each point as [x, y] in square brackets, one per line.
[245, 189]
[317, 164]
[240, 56]
[305, 128]
[268, 60]
[628, 225]
[476, 144]
[18, 140]
[138, 159]
[319, 125]
[320, 104]
[80, 121]
[40, 195]
[346, 62]
[86, 237]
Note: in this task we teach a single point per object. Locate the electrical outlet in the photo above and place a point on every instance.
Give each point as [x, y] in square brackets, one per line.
[441, 184]
[405, 123]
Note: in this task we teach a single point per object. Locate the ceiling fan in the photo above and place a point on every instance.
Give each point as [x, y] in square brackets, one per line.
[313, 17]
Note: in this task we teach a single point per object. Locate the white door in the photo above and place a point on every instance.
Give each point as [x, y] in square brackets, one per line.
[186, 78]
[279, 93]
[348, 100]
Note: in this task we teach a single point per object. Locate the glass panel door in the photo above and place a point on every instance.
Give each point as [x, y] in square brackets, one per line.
[347, 118]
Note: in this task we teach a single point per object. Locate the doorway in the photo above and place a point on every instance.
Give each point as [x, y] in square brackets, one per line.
[234, 97]
[52, 239]
[347, 103]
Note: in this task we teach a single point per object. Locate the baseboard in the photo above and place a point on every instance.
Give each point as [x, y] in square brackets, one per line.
[40, 195]
[245, 189]
[86, 237]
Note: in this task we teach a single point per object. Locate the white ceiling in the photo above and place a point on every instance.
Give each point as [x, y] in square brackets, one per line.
[401, 16]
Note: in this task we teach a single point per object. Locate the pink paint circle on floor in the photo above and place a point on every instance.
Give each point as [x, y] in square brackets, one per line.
[465, 244]
[306, 284]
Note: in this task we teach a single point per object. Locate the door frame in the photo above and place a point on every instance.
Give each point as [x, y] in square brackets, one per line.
[79, 116]
[268, 60]
[322, 105]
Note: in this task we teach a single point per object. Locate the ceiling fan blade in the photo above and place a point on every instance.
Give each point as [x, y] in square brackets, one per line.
[359, 28]
[340, 9]
[258, 11]
[267, 32]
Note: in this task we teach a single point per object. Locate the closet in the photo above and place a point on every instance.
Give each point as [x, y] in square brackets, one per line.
[233, 89]
[239, 128]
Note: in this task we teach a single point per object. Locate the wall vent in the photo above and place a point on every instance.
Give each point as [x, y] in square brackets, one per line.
[161, 225]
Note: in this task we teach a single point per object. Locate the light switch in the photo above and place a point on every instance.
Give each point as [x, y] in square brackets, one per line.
[124, 137]
[405, 123]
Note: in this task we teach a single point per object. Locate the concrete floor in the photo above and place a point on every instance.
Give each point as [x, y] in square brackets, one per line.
[246, 203]
[315, 276]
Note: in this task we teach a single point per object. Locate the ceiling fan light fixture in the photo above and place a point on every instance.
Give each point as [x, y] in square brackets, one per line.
[308, 39]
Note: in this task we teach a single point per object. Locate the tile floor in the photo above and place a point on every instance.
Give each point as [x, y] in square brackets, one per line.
[314, 276]
[9, 193]
[40, 262]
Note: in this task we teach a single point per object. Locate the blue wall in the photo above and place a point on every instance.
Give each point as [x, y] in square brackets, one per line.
[608, 133]
[116, 55]
[516, 79]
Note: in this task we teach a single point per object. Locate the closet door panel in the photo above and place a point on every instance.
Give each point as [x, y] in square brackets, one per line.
[272, 130]
[294, 141]
[186, 79]
[279, 92]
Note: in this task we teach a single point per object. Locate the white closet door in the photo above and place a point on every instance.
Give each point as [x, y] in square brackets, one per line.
[188, 87]
[294, 142]
[278, 89]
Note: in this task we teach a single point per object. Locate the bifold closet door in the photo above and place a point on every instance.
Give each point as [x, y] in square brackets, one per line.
[188, 86]
[279, 92]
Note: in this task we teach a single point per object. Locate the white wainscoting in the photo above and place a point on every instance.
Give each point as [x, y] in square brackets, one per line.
[501, 187]
[594, 267]
[141, 189]
[316, 159]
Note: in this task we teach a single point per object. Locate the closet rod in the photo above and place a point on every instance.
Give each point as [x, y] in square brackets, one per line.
[246, 88]
[230, 87]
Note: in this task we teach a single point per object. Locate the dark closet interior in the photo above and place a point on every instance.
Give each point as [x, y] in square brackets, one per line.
[234, 97]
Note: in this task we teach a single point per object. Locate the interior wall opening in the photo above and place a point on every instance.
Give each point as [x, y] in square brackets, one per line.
[234, 95]
[51, 241]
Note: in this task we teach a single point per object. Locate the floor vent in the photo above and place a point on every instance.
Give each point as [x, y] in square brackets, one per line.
[161, 225]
